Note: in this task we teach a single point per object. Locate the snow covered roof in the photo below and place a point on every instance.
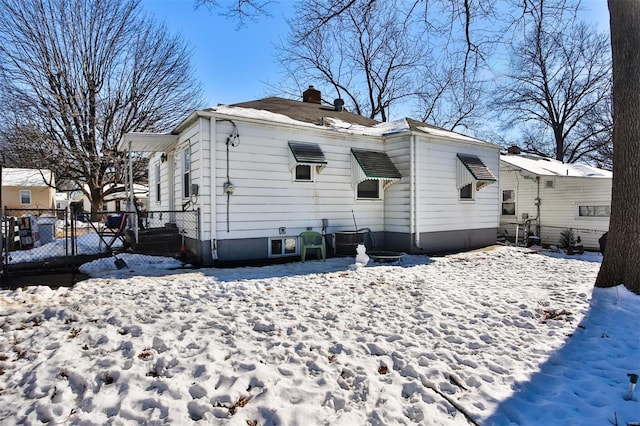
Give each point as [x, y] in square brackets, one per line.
[312, 115]
[25, 177]
[549, 167]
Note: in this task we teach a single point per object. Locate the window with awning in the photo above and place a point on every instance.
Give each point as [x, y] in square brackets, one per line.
[373, 165]
[306, 154]
[306, 159]
[472, 171]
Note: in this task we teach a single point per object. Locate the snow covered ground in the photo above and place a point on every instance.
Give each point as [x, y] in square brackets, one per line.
[499, 336]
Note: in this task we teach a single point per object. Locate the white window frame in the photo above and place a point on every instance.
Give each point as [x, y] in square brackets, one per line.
[473, 193]
[592, 205]
[312, 173]
[158, 185]
[23, 193]
[380, 191]
[284, 252]
[186, 173]
[511, 200]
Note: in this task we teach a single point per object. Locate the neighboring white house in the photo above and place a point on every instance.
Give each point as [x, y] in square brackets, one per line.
[553, 196]
[263, 171]
[116, 201]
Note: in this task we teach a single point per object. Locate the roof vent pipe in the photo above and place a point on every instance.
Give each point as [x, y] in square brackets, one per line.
[338, 104]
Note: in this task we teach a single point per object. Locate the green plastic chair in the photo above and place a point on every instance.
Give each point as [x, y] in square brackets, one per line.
[312, 240]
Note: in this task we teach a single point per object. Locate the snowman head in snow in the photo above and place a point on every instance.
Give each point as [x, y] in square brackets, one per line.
[361, 249]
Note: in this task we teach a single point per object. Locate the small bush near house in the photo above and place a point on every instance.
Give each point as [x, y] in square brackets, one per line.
[570, 242]
[567, 238]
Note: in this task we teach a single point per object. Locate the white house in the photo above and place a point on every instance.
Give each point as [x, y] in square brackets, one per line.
[553, 196]
[115, 201]
[263, 171]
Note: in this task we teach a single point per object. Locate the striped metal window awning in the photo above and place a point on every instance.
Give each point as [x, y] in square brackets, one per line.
[471, 169]
[373, 165]
[308, 154]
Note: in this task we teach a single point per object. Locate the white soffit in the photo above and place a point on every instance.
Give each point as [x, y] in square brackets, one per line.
[147, 142]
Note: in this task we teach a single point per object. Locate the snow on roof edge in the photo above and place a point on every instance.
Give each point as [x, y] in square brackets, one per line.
[550, 167]
[382, 129]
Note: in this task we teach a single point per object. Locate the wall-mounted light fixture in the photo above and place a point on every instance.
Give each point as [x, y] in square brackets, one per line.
[163, 157]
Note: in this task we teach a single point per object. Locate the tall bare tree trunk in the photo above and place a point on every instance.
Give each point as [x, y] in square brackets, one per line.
[621, 264]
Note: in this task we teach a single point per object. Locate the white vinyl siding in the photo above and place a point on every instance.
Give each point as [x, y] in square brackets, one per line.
[266, 197]
[559, 204]
[440, 207]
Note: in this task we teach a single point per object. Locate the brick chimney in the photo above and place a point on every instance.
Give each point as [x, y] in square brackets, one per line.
[515, 150]
[311, 95]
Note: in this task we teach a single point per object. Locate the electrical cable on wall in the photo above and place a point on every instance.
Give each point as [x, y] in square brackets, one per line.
[233, 140]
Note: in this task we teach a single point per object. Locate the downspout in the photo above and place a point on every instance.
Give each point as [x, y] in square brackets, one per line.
[212, 191]
[538, 207]
[200, 189]
[415, 201]
[201, 178]
[132, 205]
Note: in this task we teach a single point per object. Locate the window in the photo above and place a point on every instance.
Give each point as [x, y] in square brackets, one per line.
[157, 173]
[305, 160]
[549, 184]
[25, 196]
[371, 173]
[508, 202]
[369, 190]
[282, 246]
[594, 211]
[186, 173]
[470, 170]
[466, 193]
[304, 173]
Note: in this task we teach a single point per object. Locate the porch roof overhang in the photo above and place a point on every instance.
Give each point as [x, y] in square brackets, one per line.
[147, 142]
[471, 169]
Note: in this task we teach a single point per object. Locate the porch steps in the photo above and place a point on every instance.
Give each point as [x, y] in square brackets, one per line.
[159, 242]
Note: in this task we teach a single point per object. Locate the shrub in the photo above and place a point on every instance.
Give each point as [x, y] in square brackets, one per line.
[567, 238]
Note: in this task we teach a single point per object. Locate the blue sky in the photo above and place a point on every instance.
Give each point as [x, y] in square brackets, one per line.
[239, 64]
[234, 65]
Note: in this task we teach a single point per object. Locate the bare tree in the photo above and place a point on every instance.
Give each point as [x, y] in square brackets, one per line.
[365, 55]
[449, 97]
[240, 11]
[621, 263]
[560, 84]
[75, 75]
[383, 57]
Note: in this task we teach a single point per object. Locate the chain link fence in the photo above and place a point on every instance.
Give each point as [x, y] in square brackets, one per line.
[531, 234]
[47, 238]
[36, 235]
